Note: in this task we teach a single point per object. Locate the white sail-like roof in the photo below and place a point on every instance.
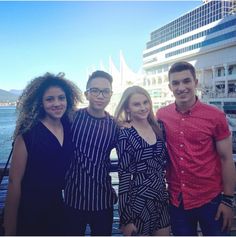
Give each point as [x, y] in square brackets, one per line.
[128, 77]
[115, 74]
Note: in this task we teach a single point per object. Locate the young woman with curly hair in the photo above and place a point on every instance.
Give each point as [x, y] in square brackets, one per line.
[41, 155]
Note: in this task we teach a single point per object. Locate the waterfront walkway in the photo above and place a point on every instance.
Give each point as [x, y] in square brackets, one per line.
[115, 229]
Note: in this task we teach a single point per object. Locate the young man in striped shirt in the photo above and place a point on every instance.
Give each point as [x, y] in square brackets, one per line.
[89, 196]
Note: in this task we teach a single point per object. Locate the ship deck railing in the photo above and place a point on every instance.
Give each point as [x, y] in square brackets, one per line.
[212, 94]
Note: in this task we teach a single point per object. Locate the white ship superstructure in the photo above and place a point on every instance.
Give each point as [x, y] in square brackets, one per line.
[205, 37]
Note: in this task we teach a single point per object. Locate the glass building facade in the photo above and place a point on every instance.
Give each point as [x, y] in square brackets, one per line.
[205, 37]
[201, 16]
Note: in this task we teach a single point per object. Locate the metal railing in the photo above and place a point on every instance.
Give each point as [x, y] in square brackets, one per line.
[115, 228]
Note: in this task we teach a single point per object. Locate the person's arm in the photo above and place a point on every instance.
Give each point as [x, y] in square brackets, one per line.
[124, 160]
[17, 169]
[224, 149]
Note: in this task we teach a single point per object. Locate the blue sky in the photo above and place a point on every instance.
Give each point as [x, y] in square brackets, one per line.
[72, 37]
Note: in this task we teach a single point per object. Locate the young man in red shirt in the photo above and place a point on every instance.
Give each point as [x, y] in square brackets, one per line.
[201, 171]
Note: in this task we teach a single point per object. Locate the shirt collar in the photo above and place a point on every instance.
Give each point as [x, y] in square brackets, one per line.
[191, 110]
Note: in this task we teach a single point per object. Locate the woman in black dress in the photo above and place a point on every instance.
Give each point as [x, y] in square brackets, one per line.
[41, 155]
[143, 198]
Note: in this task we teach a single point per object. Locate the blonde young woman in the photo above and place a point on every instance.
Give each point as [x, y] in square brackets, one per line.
[143, 198]
[41, 155]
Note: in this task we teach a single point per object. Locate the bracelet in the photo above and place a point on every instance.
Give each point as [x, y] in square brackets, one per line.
[227, 196]
[227, 200]
[227, 204]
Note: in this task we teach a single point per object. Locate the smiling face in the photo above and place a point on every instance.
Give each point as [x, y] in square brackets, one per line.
[54, 103]
[98, 94]
[139, 107]
[183, 86]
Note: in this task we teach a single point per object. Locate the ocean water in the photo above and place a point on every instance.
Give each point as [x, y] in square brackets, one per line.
[7, 126]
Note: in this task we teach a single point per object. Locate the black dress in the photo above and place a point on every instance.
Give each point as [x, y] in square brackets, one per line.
[41, 204]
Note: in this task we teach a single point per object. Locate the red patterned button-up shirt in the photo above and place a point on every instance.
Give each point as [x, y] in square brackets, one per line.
[194, 171]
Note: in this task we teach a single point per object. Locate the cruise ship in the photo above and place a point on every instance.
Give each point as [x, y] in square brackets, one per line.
[205, 37]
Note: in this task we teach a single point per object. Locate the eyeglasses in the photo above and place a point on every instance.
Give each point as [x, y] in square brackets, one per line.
[96, 92]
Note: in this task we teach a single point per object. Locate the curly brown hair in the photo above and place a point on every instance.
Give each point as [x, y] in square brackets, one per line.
[29, 106]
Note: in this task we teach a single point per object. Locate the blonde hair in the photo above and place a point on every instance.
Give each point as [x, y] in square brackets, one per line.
[29, 106]
[122, 116]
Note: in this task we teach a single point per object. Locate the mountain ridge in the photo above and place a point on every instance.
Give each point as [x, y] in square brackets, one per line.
[7, 96]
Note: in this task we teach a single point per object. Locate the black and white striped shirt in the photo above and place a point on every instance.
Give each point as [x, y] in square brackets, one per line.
[88, 183]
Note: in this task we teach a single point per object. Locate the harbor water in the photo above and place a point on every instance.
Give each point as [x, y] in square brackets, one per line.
[7, 126]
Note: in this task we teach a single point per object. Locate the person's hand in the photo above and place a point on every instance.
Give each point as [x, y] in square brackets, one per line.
[129, 229]
[227, 214]
[124, 124]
